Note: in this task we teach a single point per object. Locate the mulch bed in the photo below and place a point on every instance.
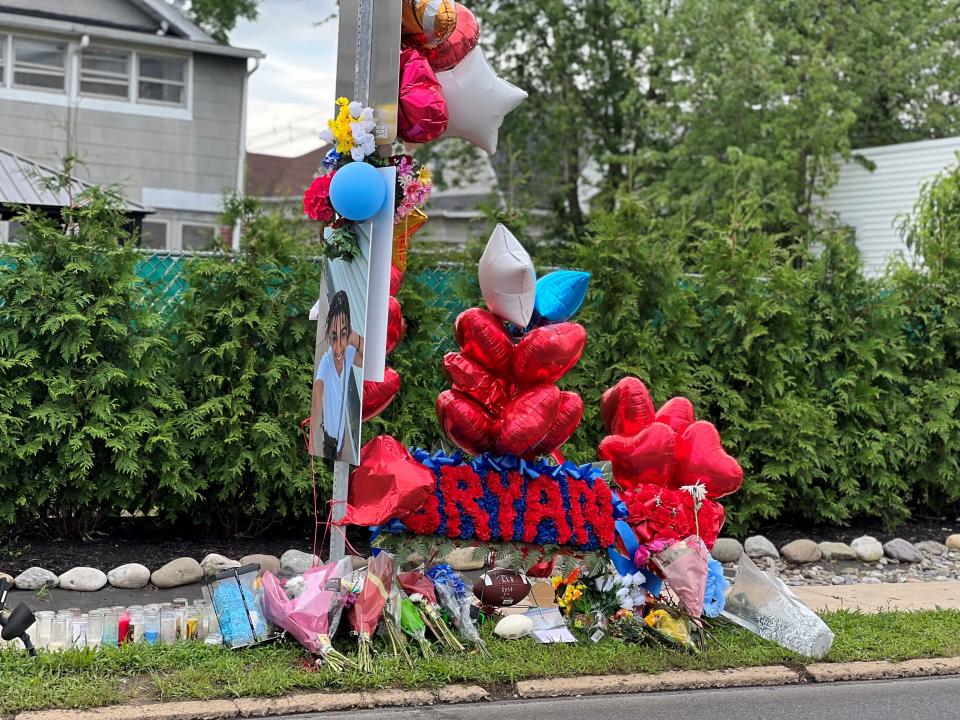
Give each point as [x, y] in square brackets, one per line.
[143, 541]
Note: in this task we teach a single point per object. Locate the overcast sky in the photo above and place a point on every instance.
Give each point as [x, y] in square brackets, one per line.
[291, 95]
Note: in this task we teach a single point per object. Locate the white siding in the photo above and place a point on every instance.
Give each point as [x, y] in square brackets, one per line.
[873, 202]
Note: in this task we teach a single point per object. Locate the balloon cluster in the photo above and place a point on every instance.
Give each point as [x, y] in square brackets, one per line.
[504, 398]
[377, 396]
[447, 88]
[670, 467]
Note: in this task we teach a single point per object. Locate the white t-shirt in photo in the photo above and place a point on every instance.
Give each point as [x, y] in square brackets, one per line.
[334, 389]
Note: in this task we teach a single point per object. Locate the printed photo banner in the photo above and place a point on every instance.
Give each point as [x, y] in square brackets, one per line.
[506, 499]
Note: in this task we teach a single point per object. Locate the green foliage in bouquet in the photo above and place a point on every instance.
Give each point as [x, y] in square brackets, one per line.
[88, 404]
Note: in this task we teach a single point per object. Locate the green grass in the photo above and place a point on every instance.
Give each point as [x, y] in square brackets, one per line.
[79, 679]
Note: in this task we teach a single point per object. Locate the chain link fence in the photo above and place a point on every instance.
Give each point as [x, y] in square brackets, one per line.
[165, 272]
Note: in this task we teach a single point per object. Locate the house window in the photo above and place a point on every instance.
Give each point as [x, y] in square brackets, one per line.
[105, 72]
[3, 60]
[153, 235]
[39, 64]
[197, 237]
[162, 79]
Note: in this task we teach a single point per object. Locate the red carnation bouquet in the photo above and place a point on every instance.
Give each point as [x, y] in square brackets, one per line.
[316, 200]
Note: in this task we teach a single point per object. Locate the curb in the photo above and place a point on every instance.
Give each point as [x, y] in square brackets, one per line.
[317, 702]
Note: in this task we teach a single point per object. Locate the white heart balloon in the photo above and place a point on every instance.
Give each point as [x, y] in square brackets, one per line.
[477, 100]
[507, 278]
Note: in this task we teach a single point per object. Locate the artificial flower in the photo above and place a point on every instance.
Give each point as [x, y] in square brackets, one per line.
[316, 199]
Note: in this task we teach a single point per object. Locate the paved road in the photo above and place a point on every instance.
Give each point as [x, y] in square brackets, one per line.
[924, 699]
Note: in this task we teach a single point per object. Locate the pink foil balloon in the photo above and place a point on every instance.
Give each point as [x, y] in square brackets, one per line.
[422, 113]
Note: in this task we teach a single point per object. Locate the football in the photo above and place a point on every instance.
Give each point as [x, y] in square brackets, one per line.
[501, 587]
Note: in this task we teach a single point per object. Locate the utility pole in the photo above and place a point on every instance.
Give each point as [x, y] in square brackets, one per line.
[368, 69]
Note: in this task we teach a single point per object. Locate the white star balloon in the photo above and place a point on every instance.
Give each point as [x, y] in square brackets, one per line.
[507, 278]
[477, 100]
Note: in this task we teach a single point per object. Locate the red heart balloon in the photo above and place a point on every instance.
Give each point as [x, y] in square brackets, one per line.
[527, 419]
[396, 325]
[481, 335]
[465, 423]
[626, 407]
[569, 415]
[469, 377]
[547, 353]
[461, 41]
[396, 279]
[677, 412]
[701, 458]
[378, 395]
[647, 457]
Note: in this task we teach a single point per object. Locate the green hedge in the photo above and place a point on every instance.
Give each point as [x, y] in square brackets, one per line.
[839, 393]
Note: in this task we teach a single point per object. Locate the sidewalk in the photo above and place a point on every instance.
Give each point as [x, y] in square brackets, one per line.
[884, 596]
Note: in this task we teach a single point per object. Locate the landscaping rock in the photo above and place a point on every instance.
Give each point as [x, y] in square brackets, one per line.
[900, 549]
[467, 558]
[35, 578]
[214, 563]
[131, 576]
[758, 546]
[295, 562]
[8, 578]
[837, 551]
[953, 541]
[801, 552]
[726, 550]
[82, 579]
[267, 563]
[867, 548]
[932, 548]
[182, 571]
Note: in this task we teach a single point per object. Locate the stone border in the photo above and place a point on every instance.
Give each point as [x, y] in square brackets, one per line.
[764, 675]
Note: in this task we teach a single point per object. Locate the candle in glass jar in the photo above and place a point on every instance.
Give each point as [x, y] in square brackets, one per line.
[58, 634]
[168, 627]
[94, 628]
[44, 628]
[123, 627]
[151, 624]
[111, 627]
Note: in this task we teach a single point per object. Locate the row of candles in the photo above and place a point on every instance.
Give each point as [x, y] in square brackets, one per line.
[163, 623]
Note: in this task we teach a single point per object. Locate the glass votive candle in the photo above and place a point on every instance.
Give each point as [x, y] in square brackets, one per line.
[58, 634]
[168, 627]
[192, 624]
[136, 624]
[94, 628]
[44, 628]
[111, 626]
[151, 624]
[123, 627]
[78, 631]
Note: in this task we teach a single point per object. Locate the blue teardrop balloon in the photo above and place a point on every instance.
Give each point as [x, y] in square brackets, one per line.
[560, 294]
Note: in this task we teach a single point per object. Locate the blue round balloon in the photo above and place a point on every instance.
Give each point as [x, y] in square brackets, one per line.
[357, 191]
[560, 294]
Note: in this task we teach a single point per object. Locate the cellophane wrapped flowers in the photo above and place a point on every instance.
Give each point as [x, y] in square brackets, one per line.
[453, 597]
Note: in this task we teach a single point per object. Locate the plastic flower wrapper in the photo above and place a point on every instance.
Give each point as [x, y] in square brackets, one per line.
[683, 566]
[393, 620]
[371, 597]
[670, 627]
[313, 615]
[419, 588]
[412, 623]
[714, 595]
[453, 597]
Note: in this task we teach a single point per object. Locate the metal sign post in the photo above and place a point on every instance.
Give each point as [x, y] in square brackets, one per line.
[368, 64]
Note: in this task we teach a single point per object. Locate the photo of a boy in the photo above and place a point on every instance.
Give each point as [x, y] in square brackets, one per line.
[331, 381]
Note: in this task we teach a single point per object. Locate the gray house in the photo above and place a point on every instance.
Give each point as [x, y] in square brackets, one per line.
[141, 95]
